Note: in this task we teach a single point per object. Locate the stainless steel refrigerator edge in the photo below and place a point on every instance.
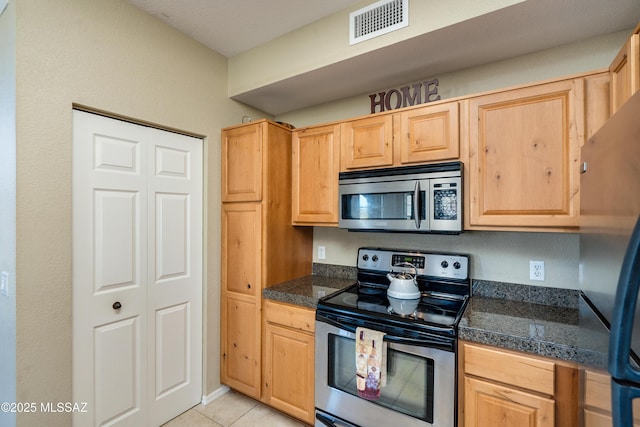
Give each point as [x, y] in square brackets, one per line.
[610, 208]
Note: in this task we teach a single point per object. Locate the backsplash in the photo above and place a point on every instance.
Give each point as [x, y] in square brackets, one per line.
[557, 297]
[331, 270]
[498, 256]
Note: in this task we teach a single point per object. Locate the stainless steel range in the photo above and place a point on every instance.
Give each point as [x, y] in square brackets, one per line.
[416, 384]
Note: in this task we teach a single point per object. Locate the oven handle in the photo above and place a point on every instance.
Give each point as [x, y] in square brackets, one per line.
[430, 341]
[329, 422]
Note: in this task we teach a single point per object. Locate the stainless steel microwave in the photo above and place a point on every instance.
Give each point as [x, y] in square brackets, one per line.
[419, 199]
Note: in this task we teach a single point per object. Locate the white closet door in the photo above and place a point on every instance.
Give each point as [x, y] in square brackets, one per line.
[137, 272]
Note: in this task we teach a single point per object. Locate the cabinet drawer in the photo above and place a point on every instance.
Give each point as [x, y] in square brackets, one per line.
[598, 393]
[510, 368]
[289, 315]
[597, 390]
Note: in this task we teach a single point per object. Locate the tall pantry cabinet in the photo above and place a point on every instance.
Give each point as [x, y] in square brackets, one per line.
[260, 247]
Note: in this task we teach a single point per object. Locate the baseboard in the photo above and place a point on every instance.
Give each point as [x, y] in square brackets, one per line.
[213, 396]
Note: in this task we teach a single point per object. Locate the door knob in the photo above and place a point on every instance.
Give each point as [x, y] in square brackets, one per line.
[116, 305]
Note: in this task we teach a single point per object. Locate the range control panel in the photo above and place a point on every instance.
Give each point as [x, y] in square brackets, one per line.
[449, 266]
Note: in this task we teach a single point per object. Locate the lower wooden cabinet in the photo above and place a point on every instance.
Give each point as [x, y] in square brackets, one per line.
[490, 404]
[597, 400]
[511, 389]
[289, 345]
[240, 364]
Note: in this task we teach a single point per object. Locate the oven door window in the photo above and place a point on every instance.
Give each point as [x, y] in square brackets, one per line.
[409, 385]
[382, 206]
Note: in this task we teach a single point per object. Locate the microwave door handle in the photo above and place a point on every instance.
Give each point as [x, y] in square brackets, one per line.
[416, 204]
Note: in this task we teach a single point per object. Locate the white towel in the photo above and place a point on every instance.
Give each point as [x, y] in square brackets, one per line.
[371, 362]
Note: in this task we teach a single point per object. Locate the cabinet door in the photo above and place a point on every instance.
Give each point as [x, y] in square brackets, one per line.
[316, 164]
[241, 243]
[597, 401]
[289, 371]
[367, 143]
[625, 73]
[240, 333]
[242, 163]
[430, 133]
[489, 404]
[524, 156]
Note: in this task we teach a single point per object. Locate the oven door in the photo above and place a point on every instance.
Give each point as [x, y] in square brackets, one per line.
[420, 389]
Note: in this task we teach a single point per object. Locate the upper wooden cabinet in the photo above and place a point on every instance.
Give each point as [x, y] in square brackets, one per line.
[523, 159]
[597, 102]
[242, 163]
[367, 143]
[625, 72]
[316, 164]
[430, 133]
[416, 135]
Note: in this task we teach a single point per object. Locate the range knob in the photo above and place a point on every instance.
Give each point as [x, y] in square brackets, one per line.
[456, 265]
[365, 257]
[444, 264]
[374, 258]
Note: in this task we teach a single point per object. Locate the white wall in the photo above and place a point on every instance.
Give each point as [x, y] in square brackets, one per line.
[8, 209]
[110, 56]
[587, 55]
[497, 256]
[326, 41]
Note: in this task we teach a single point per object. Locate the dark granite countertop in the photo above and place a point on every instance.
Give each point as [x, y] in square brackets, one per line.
[306, 291]
[549, 322]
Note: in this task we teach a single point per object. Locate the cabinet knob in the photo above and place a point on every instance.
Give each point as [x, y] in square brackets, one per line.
[248, 285]
[116, 305]
[583, 167]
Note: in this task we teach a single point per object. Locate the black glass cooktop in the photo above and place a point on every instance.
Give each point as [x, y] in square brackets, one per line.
[439, 310]
[442, 280]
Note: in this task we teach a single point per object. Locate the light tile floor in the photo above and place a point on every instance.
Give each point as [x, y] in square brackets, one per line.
[233, 410]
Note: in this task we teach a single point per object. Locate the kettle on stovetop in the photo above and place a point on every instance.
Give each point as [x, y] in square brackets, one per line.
[403, 285]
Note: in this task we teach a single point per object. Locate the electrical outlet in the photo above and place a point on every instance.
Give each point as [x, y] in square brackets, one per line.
[322, 254]
[4, 283]
[536, 270]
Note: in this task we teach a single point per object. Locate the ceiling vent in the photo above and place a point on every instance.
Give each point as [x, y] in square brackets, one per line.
[378, 18]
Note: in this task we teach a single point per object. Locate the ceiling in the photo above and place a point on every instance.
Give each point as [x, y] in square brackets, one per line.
[233, 26]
